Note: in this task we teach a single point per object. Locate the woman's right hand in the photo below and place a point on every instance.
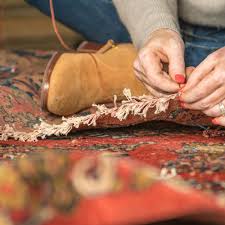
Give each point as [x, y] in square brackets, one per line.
[163, 47]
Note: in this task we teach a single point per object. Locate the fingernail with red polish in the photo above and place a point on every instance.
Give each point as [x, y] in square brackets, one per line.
[180, 79]
[215, 121]
[182, 104]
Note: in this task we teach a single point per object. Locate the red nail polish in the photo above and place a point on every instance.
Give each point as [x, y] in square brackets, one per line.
[182, 104]
[180, 79]
[215, 121]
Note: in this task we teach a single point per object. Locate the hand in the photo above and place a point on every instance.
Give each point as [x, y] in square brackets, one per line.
[164, 46]
[205, 89]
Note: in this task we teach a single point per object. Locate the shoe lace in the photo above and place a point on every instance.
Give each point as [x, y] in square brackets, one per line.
[62, 42]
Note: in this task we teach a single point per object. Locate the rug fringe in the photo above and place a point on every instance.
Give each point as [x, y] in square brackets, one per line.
[131, 106]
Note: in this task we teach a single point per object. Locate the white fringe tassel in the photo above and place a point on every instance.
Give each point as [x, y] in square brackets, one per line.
[132, 105]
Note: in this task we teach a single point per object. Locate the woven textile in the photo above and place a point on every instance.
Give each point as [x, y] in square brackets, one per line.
[177, 152]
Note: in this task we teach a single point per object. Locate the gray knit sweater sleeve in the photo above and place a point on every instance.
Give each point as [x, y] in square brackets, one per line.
[142, 17]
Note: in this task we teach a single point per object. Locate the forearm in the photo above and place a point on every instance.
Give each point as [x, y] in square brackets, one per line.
[142, 17]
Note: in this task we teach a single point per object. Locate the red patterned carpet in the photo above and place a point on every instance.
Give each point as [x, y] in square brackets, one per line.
[174, 149]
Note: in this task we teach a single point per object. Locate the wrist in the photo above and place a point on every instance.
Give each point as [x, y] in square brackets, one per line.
[165, 33]
[161, 31]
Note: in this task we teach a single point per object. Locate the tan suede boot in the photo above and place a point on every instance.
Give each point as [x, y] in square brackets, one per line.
[74, 81]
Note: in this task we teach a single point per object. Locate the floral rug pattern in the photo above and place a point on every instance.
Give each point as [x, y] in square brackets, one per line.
[174, 149]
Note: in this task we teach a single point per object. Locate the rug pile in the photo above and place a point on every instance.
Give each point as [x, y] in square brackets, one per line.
[157, 170]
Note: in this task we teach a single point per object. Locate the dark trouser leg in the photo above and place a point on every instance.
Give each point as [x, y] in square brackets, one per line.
[96, 20]
[200, 41]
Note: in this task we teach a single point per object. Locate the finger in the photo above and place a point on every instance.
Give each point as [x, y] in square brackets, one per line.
[200, 72]
[219, 121]
[188, 71]
[158, 79]
[215, 111]
[154, 92]
[139, 74]
[209, 102]
[138, 70]
[177, 66]
[204, 88]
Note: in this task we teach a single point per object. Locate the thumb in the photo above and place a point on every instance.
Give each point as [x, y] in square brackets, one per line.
[177, 66]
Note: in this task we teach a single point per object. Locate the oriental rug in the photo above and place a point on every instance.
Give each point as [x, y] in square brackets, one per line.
[178, 153]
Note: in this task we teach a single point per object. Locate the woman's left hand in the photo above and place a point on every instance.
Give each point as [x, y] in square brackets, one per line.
[205, 88]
